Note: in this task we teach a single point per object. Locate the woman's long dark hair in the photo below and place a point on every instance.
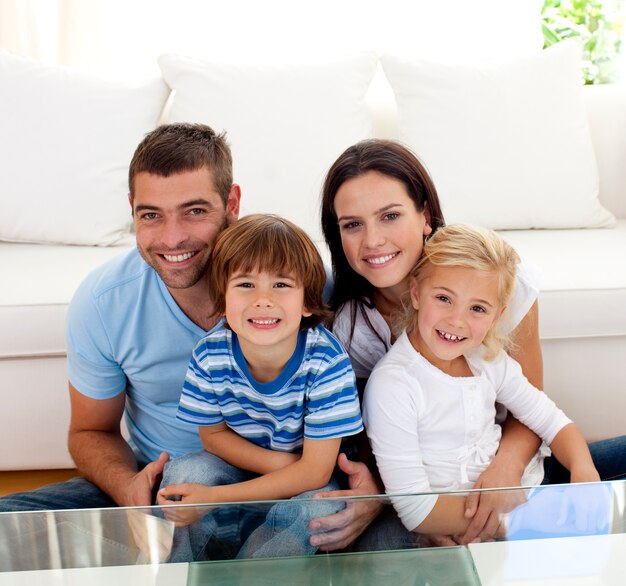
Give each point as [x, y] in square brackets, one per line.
[388, 158]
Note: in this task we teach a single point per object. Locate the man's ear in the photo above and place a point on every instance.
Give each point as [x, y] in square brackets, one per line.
[232, 203]
[130, 201]
[414, 294]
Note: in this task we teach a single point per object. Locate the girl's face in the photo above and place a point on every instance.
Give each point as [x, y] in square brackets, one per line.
[382, 233]
[456, 307]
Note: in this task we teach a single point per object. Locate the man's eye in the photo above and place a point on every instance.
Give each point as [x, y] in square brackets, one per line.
[196, 211]
[149, 216]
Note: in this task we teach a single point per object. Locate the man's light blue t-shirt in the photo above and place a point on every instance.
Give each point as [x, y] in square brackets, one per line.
[125, 331]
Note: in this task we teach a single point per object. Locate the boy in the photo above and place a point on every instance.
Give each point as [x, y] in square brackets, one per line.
[273, 393]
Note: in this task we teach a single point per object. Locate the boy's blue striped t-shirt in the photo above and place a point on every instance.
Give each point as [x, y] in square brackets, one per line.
[315, 396]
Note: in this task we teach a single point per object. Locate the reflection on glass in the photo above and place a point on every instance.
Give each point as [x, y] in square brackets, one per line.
[589, 516]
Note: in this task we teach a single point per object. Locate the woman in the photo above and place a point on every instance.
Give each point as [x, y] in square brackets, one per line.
[378, 206]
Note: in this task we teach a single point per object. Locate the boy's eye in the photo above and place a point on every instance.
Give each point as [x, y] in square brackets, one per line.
[282, 285]
[244, 285]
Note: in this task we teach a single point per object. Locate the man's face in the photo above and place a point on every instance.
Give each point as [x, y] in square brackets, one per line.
[177, 219]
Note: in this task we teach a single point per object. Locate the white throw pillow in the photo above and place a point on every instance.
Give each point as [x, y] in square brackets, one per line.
[507, 144]
[67, 140]
[286, 124]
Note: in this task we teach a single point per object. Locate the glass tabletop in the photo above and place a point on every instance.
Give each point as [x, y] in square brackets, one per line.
[549, 532]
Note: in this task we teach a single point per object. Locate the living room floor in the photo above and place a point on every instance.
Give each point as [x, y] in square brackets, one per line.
[16, 481]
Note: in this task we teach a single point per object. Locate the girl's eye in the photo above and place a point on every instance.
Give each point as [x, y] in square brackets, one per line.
[478, 309]
[443, 298]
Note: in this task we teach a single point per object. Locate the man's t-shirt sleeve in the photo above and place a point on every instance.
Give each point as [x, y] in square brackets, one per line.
[91, 365]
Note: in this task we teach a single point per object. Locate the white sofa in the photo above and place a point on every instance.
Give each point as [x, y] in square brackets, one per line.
[583, 271]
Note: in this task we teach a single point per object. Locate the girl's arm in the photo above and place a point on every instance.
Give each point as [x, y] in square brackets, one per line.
[312, 471]
[223, 442]
[517, 446]
[571, 450]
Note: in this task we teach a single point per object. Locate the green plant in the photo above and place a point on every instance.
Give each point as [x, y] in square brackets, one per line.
[598, 23]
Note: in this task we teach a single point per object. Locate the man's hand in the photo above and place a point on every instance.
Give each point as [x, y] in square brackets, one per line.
[484, 508]
[342, 528]
[141, 487]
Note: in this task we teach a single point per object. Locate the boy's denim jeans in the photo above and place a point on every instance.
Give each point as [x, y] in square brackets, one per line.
[247, 530]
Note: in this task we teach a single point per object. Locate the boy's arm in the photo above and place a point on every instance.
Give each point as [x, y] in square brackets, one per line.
[223, 442]
[312, 471]
[571, 450]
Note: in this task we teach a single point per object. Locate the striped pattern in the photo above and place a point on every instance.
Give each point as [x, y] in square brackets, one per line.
[318, 401]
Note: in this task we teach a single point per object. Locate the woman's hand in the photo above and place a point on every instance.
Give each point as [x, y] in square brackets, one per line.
[484, 508]
[342, 528]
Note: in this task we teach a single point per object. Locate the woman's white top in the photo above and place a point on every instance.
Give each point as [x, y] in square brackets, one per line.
[433, 432]
[365, 348]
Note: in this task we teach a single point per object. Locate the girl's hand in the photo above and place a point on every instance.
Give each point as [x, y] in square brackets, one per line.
[342, 528]
[185, 494]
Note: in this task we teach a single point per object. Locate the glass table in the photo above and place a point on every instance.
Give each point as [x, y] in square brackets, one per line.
[552, 535]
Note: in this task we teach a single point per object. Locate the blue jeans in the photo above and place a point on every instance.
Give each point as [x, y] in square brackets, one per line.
[609, 458]
[246, 530]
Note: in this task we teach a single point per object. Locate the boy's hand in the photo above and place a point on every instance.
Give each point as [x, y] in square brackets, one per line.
[185, 494]
[342, 528]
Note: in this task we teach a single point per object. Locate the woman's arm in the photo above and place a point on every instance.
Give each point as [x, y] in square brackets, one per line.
[223, 442]
[517, 446]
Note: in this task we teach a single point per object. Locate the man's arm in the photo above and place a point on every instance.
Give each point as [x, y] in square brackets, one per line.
[223, 442]
[103, 456]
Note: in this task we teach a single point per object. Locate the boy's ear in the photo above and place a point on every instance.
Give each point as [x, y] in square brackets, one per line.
[414, 294]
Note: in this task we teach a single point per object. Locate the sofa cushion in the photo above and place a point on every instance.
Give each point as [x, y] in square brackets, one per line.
[508, 143]
[582, 279]
[67, 139]
[42, 280]
[286, 124]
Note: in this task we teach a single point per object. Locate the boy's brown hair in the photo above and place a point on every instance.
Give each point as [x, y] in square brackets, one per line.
[266, 242]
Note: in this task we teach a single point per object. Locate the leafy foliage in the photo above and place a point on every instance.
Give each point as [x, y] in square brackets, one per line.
[599, 24]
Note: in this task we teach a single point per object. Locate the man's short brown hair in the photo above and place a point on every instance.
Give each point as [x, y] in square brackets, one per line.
[265, 242]
[181, 147]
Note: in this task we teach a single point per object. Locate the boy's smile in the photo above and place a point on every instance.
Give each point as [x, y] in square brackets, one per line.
[265, 311]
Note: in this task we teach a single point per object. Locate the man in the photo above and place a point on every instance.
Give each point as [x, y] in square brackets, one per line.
[133, 323]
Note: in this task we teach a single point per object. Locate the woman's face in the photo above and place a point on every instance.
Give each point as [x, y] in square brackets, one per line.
[382, 233]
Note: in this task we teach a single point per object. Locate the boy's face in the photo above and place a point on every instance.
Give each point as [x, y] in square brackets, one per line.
[264, 310]
[456, 307]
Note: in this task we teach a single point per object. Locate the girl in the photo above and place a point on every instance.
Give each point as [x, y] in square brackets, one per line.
[430, 402]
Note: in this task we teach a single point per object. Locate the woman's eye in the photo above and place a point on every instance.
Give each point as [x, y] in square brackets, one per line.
[350, 226]
[391, 216]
